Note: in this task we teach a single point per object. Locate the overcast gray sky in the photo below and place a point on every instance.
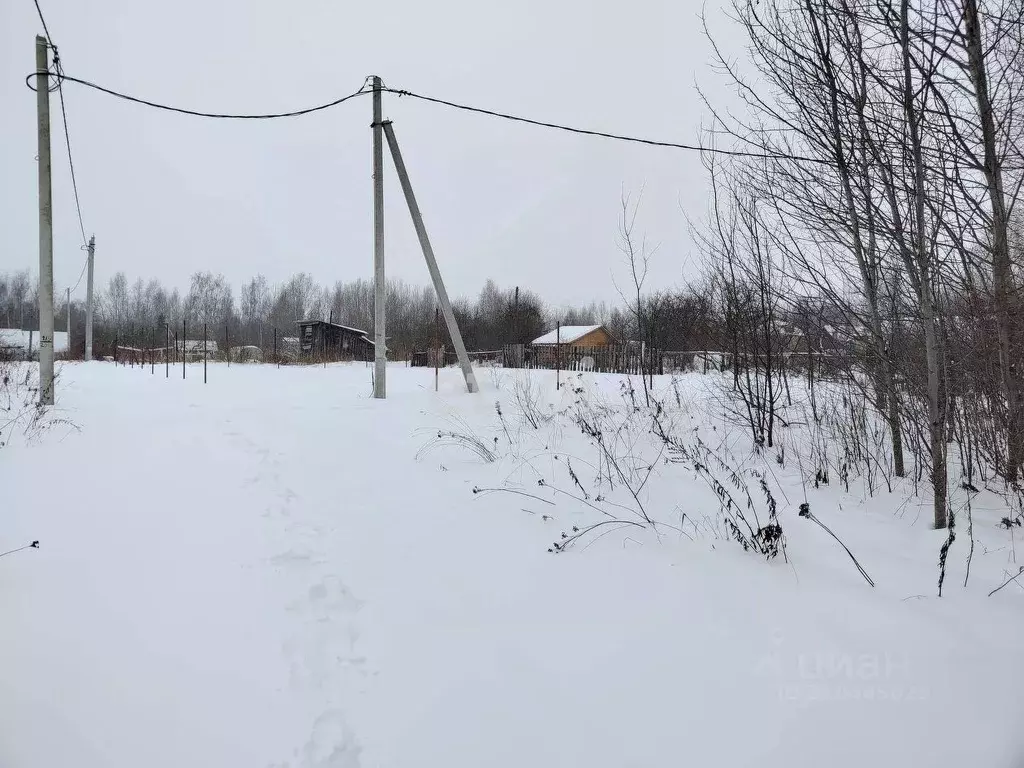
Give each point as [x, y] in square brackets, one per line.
[167, 195]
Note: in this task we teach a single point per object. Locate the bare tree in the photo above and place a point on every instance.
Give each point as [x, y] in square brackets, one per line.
[638, 259]
[745, 267]
[857, 170]
[979, 95]
[254, 307]
[812, 56]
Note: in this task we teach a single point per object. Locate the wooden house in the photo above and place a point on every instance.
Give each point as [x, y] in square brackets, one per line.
[557, 347]
[323, 341]
[576, 336]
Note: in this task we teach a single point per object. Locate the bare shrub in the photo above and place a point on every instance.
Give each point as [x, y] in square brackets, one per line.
[20, 411]
[527, 397]
[461, 435]
[614, 483]
[737, 504]
[849, 440]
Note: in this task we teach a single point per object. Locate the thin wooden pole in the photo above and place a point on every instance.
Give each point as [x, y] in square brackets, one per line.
[204, 353]
[184, 341]
[515, 319]
[437, 346]
[558, 355]
[167, 350]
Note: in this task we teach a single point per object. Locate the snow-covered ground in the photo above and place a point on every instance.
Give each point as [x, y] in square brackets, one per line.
[274, 569]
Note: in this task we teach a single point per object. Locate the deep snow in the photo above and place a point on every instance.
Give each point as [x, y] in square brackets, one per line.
[274, 569]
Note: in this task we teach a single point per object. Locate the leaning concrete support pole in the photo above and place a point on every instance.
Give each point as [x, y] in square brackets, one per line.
[428, 254]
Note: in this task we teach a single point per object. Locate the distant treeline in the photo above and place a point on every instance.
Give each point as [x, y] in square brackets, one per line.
[135, 313]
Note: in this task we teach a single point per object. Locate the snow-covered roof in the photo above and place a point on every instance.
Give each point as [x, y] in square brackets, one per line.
[349, 328]
[567, 334]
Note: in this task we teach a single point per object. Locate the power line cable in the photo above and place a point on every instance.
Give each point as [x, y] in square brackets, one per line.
[59, 70]
[399, 92]
[71, 163]
[46, 29]
[196, 113]
[81, 274]
[603, 134]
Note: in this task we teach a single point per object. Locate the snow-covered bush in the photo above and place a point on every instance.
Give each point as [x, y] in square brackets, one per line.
[20, 411]
[614, 464]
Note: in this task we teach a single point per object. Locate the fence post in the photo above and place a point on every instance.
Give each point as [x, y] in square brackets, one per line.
[204, 353]
[558, 356]
[167, 350]
[184, 341]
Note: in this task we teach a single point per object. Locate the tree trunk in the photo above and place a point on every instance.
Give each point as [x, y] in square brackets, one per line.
[887, 389]
[1002, 274]
[895, 428]
[936, 409]
[865, 253]
[926, 285]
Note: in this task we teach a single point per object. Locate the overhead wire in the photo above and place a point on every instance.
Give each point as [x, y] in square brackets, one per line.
[81, 274]
[42, 19]
[364, 90]
[59, 72]
[71, 164]
[197, 113]
[603, 134]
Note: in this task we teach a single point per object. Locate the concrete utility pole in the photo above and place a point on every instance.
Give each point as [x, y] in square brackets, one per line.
[45, 224]
[428, 254]
[88, 299]
[380, 355]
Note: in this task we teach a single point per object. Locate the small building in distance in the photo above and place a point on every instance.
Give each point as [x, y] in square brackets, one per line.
[321, 341]
[16, 344]
[576, 336]
[196, 349]
[568, 345]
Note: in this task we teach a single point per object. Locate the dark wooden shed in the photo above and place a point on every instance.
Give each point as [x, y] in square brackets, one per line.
[321, 341]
